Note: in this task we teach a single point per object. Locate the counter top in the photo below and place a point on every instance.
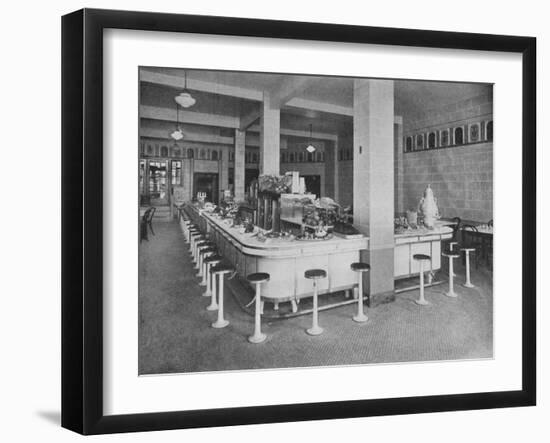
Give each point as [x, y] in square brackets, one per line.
[251, 245]
[441, 230]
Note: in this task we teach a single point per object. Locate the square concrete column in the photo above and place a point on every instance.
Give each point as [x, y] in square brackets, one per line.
[373, 179]
[270, 133]
[239, 165]
[398, 178]
[223, 170]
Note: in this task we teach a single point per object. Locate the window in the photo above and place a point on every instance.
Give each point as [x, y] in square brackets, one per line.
[459, 136]
[215, 155]
[291, 157]
[490, 131]
[176, 172]
[431, 140]
[310, 156]
[408, 144]
[190, 153]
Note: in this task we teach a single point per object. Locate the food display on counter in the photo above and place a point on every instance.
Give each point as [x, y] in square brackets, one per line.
[269, 236]
[278, 184]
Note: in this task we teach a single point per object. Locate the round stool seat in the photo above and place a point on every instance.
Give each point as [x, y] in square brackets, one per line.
[213, 259]
[360, 267]
[315, 274]
[201, 243]
[258, 277]
[421, 257]
[452, 254]
[468, 248]
[208, 250]
[222, 269]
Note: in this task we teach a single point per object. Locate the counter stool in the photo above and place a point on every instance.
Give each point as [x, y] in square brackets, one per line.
[199, 244]
[205, 253]
[315, 274]
[467, 250]
[201, 249]
[360, 268]
[451, 255]
[257, 279]
[194, 235]
[421, 258]
[210, 262]
[220, 270]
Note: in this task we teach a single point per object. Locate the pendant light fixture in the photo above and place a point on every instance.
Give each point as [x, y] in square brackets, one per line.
[310, 148]
[178, 133]
[185, 100]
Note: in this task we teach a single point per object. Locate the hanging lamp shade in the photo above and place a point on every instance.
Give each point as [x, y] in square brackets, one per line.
[178, 134]
[310, 148]
[185, 99]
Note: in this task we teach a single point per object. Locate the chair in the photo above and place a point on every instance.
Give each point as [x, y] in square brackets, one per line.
[315, 274]
[421, 259]
[257, 279]
[360, 268]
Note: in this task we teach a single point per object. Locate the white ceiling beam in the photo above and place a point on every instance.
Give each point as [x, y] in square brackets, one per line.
[189, 136]
[319, 106]
[300, 133]
[247, 120]
[173, 81]
[288, 88]
[190, 117]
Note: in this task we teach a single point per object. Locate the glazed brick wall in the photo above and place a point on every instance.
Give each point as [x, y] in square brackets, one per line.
[462, 176]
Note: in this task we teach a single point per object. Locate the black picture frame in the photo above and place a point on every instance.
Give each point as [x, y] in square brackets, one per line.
[82, 215]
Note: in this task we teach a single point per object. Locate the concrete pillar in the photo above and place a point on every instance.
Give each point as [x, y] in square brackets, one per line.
[239, 165]
[187, 172]
[398, 152]
[373, 178]
[334, 160]
[223, 171]
[270, 130]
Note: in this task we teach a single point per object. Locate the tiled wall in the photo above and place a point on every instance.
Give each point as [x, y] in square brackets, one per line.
[461, 176]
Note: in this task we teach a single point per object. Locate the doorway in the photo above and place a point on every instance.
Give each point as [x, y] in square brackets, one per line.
[208, 183]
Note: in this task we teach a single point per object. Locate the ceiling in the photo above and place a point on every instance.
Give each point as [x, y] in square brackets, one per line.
[244, 91]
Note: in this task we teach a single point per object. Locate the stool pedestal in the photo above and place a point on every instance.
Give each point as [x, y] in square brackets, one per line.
[257, 279]
[221, 322]
[468, 283]
[360, 268]
[315, 274]
[421, 258]
[213, 306]
[451, 256]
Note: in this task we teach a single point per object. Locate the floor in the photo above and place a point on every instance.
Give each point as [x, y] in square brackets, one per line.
[175, 333]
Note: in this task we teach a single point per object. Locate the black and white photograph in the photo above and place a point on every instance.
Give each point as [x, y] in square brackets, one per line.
[295, 221]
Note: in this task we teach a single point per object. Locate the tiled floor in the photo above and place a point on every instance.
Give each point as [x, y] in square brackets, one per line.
[175, 333]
